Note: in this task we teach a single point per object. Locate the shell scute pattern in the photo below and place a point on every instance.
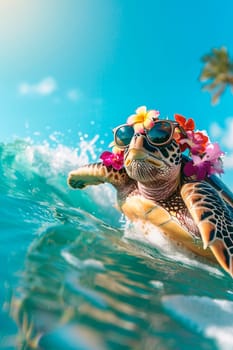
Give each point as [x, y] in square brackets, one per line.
[214, 220]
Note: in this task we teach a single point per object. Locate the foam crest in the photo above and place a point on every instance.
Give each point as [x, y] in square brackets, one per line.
[53, 160]
[58, 158]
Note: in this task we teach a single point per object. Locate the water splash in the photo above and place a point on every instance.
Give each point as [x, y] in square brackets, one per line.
[149, 235]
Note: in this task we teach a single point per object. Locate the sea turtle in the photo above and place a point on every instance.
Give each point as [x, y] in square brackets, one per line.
[195, 210]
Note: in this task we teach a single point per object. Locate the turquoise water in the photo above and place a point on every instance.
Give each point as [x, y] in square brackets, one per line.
[76, 275]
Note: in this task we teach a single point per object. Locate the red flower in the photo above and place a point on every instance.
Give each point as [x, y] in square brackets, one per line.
[186, 124]
[196, 142]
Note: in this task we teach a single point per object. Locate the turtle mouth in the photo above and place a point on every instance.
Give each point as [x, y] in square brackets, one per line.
[141, 156]
[155, 161]
[143, 170]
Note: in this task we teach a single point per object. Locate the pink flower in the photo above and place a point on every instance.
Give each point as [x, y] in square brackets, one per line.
[195, 141]
[213, 152]
[116, 160]
[214, 155]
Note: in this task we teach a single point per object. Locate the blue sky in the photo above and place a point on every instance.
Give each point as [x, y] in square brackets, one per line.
[85, 65]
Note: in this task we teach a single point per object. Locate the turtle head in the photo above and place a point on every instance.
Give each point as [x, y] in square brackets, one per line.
[150, 155]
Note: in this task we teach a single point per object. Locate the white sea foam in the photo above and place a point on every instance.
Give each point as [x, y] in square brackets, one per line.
[211, 317]
[52, 159]
[59, 158]
[157, 284]
[82, 264]
[151, 235]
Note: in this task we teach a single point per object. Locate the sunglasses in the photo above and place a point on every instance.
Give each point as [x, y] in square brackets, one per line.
[160, 134]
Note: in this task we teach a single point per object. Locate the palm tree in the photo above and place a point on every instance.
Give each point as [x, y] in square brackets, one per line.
[217, 73]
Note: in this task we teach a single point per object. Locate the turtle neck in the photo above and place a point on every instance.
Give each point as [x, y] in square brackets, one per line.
[158, 190]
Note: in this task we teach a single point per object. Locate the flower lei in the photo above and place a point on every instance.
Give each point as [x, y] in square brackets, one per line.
[206, 157]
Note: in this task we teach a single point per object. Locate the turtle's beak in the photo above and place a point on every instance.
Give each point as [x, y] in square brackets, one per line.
[137, 152]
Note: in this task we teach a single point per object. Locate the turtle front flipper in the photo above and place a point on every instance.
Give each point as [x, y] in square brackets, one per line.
[95, 174]
[214, 218]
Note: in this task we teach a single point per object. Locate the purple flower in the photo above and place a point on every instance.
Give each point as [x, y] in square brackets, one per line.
[201, 170]
[210, 163]
[116, 160]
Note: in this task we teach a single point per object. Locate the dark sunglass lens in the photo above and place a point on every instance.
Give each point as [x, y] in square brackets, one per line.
[124, 135]
[160, 133]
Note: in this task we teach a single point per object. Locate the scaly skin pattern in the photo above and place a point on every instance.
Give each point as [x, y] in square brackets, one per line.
[151, 187]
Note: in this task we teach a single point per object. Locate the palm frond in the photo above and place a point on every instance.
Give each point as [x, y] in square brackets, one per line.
[217, 72]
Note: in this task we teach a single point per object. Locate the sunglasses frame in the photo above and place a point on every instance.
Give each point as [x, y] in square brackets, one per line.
[173, 125]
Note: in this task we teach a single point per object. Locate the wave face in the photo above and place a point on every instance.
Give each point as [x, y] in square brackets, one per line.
[76, 275]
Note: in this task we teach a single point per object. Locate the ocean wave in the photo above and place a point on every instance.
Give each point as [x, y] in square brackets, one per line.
[74, 266]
